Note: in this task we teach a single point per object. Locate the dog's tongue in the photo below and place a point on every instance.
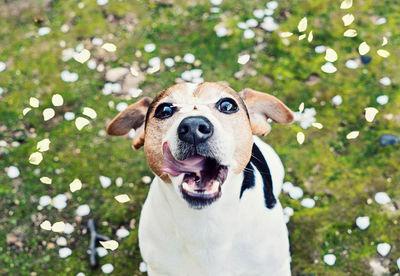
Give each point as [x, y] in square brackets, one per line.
[175, 167]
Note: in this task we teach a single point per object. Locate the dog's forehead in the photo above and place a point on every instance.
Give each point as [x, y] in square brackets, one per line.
[188, 93]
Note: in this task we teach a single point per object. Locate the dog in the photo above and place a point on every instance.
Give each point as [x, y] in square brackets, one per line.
[212, 208]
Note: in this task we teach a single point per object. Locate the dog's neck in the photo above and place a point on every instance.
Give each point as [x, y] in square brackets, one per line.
[214, 224]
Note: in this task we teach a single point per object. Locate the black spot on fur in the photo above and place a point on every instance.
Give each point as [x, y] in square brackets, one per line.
[248, 179]
[257, 159]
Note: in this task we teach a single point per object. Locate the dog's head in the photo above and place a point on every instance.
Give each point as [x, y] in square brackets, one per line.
[194, 136]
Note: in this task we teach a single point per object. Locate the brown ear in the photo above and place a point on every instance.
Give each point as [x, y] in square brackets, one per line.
[262, 106]
[132, 117]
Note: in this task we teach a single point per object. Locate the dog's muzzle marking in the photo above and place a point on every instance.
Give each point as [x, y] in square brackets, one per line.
[257, 159]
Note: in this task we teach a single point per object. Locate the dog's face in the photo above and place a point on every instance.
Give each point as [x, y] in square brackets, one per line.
[195, 136]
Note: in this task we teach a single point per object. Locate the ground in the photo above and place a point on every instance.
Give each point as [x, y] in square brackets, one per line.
[342, 175]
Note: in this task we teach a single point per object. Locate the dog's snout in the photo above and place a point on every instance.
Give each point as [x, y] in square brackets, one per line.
[195, 129]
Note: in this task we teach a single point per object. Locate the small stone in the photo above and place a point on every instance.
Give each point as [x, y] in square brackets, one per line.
[288, 211]
[169, 62]
[119, 181]
[272, 5]
[101, 251]
[64, 252]
[102, 2]
[287, 186]
[221, 31]
[382, 198]
[380, 21]
[189, 58]
[216, 2]
[308, 203]
[13, 172]
[382, 99]
[388, 140]
[378, 267]
[362, 222]
[252, 23]
[122, 233]
[150, 47]
[337, 100]
[3, 66]
[330, 259]
[155, 62]
[248, 34]
[351, 64]
[44, 31]
[61, 241]
[116, 74]
[398, 263]
[296, 192]
[44, 200]
[383, 249]
[121, 106]
[269, 24]
[258, 13]
[242, 25]
[97, 41]
[92, 64]
[146, 179]
[320, 49]
[83, 210]
[105, 181]
[107, 268]
[60, 201]
[68, 76]
[69, 116]
[143, 267]
[385, 81]
[68, 229]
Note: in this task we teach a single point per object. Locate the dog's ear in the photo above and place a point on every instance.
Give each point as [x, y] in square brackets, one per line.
[132, 117]
[262, 106]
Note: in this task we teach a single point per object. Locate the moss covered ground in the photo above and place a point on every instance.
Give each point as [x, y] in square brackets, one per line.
[341, 175]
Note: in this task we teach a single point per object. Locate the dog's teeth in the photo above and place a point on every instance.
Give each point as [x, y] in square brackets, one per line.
[186, 186]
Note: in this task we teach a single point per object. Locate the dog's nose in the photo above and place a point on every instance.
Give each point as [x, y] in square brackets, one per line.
[195, 129]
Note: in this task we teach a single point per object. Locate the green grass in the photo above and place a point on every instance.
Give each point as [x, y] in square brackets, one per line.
[340, 174]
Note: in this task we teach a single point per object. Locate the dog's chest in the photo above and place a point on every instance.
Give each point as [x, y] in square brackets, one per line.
[235, 236]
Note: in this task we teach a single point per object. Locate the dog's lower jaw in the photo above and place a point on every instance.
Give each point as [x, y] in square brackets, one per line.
[232, 236]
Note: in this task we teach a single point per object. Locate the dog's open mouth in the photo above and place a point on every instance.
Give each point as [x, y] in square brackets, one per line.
[203, 176]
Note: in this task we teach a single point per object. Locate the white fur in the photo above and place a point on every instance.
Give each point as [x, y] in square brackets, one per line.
[230, 237]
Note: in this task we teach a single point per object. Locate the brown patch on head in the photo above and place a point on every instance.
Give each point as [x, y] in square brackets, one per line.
[155, 129]
[262, 106]
[236, 125]
[234, 131]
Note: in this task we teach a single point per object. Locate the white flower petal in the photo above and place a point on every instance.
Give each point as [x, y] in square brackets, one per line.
[302, 26]
[363, 48]
[352, 135]
[111, 244]
[122, 198]
[81, 122]
[43, 145]
[90, 112]
[35, 158]
[370, 113]
[75, 185]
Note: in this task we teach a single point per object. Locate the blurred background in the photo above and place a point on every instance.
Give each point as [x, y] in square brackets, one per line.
[68, 67]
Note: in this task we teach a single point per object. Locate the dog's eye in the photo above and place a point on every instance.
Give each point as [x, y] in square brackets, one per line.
[164, 111]
[227, 105]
